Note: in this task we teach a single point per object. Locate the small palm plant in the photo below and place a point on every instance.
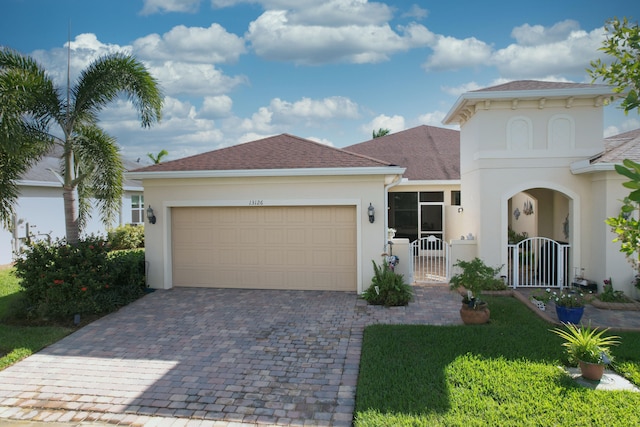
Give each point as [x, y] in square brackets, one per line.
[587, 344]
[387, 288]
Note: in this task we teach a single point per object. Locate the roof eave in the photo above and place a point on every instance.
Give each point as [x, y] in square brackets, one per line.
[246, 173]
[525, 94]
[585, 166]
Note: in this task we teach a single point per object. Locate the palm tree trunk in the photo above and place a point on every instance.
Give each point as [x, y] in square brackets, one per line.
[70, 197]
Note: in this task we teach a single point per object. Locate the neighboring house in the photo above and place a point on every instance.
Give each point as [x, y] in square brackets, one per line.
[278, 213]
[39, 213]
[284, 212]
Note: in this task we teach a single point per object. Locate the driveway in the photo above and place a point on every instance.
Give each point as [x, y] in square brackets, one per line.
[208, 357]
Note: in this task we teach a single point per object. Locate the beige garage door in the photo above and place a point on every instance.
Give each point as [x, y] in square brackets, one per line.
[306, 247]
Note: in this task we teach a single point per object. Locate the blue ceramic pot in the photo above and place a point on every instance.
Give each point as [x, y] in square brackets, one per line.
[569, 314]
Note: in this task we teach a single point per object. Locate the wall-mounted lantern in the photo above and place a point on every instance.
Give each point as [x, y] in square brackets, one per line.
[372, 213]
[150, 215]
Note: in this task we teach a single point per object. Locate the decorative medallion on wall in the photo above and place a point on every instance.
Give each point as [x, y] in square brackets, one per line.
[516, 214]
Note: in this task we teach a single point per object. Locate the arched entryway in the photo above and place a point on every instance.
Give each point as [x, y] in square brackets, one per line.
[539, 238]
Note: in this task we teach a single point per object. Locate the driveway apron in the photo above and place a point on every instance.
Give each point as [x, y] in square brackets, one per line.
[212, 357]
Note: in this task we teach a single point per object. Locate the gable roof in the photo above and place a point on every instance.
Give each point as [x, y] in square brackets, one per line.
[427, 152]
[464, 107]
[276, 153]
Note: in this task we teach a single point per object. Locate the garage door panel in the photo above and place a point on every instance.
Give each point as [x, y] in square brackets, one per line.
[306, 247]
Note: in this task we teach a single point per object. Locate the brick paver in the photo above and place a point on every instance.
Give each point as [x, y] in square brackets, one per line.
[212, 357]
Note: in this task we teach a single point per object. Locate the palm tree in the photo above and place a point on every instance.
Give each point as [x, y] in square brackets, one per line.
[380, 132]
[157, 159]
[38, 115]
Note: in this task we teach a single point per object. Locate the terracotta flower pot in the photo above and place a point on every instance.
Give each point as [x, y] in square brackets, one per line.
[591, 371]
[476, 316]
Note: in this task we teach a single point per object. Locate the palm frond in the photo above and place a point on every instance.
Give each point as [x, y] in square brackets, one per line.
[106, 78]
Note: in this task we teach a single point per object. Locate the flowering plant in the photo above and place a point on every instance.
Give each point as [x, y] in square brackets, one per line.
[542, 295]
[609, 294]
[569, 300]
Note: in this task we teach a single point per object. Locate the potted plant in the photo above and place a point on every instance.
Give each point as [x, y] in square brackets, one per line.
[588, 347]
[569, 306]
[475, 276]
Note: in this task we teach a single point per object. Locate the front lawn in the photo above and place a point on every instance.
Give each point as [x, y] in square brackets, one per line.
[506, 373]
[18, 342]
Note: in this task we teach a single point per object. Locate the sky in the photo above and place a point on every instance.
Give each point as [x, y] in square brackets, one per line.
[331, 71]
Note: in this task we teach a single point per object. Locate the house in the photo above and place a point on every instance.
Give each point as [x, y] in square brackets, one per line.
[533, 159]
[281, 212]
[39, 213]
[284, 212]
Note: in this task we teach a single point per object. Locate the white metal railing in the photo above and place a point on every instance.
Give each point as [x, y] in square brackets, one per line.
[430, 260]
[538, 262]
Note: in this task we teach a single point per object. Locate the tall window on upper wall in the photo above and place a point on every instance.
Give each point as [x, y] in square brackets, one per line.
[137, 209]
[403, 214]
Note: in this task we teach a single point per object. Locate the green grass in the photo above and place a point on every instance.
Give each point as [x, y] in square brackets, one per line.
[506, 373]
[18, 342]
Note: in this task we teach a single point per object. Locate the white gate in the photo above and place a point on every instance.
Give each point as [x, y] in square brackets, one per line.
[539, 262]
[430, 260]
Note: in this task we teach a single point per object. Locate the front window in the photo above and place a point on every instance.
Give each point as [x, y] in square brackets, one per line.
[137, 209]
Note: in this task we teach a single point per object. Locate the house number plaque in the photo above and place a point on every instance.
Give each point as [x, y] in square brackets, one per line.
[256, 202]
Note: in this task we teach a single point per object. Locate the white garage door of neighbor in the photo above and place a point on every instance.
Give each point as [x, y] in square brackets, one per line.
[292, 247]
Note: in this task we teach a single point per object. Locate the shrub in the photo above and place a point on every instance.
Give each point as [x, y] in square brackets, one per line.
[60, 280]
[126, 237]
[387, 288]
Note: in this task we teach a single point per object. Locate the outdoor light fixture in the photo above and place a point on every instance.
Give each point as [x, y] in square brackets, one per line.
[460, 209]
[150, 216]
[372, 213]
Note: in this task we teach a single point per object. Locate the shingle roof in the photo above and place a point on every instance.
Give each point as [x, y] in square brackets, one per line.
[524, 85]
[427, 152]
[619, 147]
[277, 152]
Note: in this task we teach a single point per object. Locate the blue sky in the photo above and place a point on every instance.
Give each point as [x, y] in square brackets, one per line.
[238, 70]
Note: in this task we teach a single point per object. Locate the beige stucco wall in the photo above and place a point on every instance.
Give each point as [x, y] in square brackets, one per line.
[606, 260]
[496, 164]
[358, 191]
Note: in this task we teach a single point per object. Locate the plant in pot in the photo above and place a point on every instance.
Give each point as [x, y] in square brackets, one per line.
[569, 306]
[475, 276]
[588, 347]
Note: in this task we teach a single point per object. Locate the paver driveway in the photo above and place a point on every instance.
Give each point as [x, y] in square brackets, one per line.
[220, 356]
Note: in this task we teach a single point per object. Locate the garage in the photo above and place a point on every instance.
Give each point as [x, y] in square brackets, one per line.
[265, 247]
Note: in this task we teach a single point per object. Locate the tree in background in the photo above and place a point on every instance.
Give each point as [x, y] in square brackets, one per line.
[622, 43]
[380, 132]
[157, 159]
[35, 115]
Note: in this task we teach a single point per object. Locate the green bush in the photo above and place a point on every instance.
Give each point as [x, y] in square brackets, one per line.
[387, 288]
[126, 237]
[60, 280]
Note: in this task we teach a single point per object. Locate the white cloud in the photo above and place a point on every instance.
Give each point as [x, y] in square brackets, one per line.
[394, 124]
[432, 119]
[459, 90]
[195, 79]
[191, 44]
[311, 110]
[155, 6]
[317, 44]
[216, 106]
[451, 53]
[534, 35]
[570, 56]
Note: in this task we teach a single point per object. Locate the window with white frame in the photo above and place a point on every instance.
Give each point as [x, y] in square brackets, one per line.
[137, 209]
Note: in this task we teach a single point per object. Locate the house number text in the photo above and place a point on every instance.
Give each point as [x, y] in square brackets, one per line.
[256, 202]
